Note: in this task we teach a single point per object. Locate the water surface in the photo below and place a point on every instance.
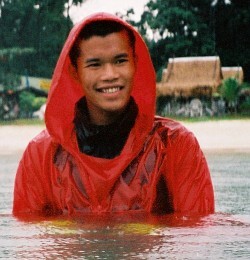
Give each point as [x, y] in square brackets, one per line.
[223, 235]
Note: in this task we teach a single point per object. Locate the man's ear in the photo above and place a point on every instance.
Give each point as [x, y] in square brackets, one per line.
[73, 72]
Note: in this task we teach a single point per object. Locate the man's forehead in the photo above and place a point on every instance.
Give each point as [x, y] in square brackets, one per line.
[114, 42]
[121, 34]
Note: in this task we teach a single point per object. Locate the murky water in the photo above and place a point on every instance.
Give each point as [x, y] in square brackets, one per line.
[223, 235]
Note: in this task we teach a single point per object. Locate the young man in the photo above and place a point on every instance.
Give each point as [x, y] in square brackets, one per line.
[104, 150]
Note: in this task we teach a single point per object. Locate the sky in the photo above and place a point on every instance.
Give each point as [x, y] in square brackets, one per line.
[110, 6]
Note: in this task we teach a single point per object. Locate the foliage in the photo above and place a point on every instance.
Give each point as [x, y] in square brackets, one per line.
[229, 91]
[38, 102]
[10, 53]
[9, 80]
[245, 99]
[245, 107]
[23, 121]
[32, 33]
[8, 73]
[29, 103]
[40, 25]
[177, 28]
[245, 85]
[232, 34]
[26, 100]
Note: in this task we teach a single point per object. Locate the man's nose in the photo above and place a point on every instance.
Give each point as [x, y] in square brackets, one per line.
[109, 72]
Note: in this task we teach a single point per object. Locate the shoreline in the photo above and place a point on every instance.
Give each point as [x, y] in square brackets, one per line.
[229, 135]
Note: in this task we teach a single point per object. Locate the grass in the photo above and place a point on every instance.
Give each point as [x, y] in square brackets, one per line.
[19, 122]
[178, 118]
[208, 118]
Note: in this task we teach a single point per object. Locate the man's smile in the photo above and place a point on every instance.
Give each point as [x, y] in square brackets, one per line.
[109, 90]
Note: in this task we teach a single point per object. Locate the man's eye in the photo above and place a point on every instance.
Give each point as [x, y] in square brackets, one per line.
[120, 61]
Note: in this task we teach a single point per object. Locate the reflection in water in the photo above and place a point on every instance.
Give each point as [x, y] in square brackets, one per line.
[224, 235]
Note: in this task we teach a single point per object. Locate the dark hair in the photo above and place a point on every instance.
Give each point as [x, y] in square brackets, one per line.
[99, 28]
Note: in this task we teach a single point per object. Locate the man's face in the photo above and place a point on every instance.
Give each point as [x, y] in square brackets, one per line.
[105, 69]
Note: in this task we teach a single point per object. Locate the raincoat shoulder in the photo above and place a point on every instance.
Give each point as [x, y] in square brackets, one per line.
[32, 182]
[186, 169]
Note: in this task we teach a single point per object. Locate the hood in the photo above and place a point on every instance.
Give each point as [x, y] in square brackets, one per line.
[65, 91]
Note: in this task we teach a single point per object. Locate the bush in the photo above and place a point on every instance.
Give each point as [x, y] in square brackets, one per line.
[229, 91]
[29, 103]
[26, 100]
[38, 102]
[245, 107]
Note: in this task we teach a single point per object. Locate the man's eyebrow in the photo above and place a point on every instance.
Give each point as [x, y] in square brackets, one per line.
[121, 55]
[118, 56]
[92, 60]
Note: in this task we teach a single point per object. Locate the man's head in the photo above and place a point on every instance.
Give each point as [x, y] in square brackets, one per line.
[104, 60]
[99, 28]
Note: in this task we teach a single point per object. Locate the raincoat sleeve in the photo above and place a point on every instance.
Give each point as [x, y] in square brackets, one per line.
[32, 191]
[189, 178]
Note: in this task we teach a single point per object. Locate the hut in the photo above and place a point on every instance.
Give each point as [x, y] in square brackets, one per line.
[191, 76]
[42, 84]
[233, 72]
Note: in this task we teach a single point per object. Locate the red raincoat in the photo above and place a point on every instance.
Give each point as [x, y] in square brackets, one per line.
[161, 168]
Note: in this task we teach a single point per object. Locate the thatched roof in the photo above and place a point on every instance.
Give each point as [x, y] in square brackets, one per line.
[184, 75]
[233, 72]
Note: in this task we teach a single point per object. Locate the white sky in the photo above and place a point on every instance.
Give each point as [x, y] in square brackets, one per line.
[110, 6]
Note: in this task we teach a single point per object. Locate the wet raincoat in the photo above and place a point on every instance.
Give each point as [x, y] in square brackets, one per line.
[161, 168]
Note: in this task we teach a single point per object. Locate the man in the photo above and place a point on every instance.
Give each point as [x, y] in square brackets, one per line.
[104, 150]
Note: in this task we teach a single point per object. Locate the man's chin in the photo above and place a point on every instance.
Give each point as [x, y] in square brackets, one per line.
[116, 107]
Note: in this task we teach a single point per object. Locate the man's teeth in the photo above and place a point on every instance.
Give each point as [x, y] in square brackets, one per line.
[110, 90]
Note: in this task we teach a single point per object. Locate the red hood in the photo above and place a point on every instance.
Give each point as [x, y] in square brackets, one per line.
[65, 91]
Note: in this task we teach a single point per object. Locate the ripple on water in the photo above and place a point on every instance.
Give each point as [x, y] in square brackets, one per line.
[224, 235]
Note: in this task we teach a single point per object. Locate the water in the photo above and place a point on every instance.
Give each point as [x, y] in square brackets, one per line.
[223, 235]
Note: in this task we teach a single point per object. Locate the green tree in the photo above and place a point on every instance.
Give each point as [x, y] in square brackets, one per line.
[197, 28]
[177, 29]
[38, 24]
[8, 72]
[232, 22]
[229, 91]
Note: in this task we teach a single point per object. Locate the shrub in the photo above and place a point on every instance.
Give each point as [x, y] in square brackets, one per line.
[38, 102]
[245, 107]
[26, 100]
[229, 91]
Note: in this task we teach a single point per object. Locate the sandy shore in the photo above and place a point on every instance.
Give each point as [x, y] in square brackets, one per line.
[212, 135]
[222, 135]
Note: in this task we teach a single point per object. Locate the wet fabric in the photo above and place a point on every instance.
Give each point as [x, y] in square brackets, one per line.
[159, 169]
